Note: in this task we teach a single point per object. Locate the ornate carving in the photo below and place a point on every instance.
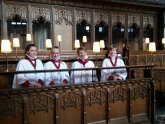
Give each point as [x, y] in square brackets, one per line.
[118, 18]
[83, 15]
[40, 12]
[133, 19]
[10, 105]
[101, 16]
[118, 94]
[63, 15]
[133, 60]
[70, 99]
[149, 59]
[16, 9]
[139, 90]
[142, 60]
[41, 102]
[95, 96]
[148, 20]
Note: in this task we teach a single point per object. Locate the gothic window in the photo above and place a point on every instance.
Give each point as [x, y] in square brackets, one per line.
[16, 27]
[41, 32]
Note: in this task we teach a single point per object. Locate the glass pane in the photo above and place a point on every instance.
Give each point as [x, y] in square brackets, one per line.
[17, 29]
[101, 33]
[133, 33]
[41, 32]
[118, 35]
[148, 32]
[83, 29]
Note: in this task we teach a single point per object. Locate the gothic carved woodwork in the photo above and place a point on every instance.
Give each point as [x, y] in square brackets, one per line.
[133, 60]
[118, 93]
[16, 9]
[10, 105]
[70, 99]
[148, 20]
[14, 103]
[133, 19]
[62, 14]
[41, 102]
[41, 11]
[142, 60]
[118, 18]
[95, 96]
[101, 16]
[83, 15]
[140, 89]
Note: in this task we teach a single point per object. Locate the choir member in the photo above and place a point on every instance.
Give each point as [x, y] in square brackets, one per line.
[29, 63]
[58, 77]
[83, 76]
[112, 60]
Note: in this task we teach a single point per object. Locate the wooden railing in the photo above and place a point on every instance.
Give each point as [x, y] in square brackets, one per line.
[128, 101]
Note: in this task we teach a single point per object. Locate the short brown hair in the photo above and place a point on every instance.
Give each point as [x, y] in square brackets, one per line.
[81, 48]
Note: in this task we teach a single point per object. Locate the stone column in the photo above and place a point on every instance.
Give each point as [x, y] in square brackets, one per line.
[4, 22]
[29, 23]
[74, 31]
[109, 30]
[92, 28]
[52, 28]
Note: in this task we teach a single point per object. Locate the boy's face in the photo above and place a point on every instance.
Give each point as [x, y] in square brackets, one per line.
[82, 54]
[32, 52]
[55, 54]
[113, 52]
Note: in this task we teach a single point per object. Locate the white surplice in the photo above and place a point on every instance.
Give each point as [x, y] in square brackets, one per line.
[105, 73]
[57, 76]
[83, 76]
[25, 65]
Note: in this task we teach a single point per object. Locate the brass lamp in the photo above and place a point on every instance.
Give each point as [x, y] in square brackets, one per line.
[163, 42]
[59, 39]
[28, 38]
[77, 44]
[152, 48]
[96, 49]
[6, 48]
[48, 45]
[102, 45]
[84, 40]
[147, 41]
[16, 45]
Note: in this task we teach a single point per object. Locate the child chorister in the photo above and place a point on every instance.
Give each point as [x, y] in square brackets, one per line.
[29, 63]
